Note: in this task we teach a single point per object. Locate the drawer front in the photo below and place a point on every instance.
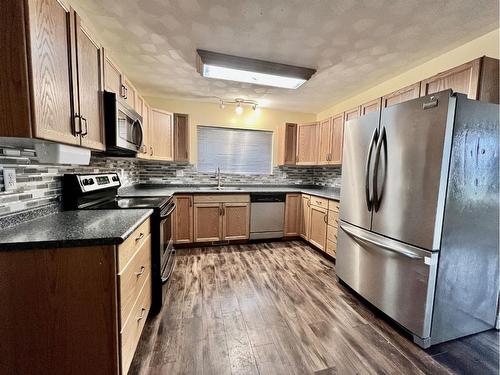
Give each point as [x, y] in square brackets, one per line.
[319, 202]
[333, 205]
[222, 198]
[331, 248]
[131, 332]
[331, 234]
[127, 249]
[333, 218]
[131, 280]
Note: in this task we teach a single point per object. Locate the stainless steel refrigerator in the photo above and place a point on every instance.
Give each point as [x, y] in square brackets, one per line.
[418, 233]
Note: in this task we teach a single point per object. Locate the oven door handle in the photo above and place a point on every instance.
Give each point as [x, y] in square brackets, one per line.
[164, 279]
[169, 211]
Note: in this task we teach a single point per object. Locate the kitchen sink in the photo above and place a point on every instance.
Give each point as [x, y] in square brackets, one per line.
[215, 188]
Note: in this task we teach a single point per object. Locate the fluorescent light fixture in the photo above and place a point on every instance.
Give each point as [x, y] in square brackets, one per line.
[258, 72]
[230, 74]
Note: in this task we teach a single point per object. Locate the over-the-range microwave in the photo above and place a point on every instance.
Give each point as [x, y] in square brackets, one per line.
[123, 125]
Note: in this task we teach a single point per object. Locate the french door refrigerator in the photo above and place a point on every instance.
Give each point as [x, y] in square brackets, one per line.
[418, 233]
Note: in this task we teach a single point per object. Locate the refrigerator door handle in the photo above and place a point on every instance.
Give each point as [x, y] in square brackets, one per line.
[382, 142]
[373, 141]
[359, 236]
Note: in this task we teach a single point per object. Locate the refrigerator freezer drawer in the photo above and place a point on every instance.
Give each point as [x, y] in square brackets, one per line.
[398, 279]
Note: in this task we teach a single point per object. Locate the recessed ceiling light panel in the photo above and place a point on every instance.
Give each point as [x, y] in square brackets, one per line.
[258, 72]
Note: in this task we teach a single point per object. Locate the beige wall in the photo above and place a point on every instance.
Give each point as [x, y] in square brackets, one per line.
[203, 113]
[487, 44]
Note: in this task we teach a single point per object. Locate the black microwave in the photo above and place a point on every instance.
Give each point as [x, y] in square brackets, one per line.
[123, 125]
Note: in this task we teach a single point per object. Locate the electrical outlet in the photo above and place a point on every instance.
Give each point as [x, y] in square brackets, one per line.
[9, 179]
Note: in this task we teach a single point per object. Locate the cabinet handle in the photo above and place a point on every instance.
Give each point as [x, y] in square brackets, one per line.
[140, 317]
[139, 274]
[77, 119]
[140, 237]
[84, 133]
[223, 211]
[151, 150]
[220, 211]
[190, 202]
[325, 219]
[309, 203]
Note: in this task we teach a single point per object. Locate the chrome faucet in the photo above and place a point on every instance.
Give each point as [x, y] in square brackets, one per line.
[218, 175]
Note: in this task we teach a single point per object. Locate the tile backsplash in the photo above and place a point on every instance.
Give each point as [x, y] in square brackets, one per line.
[39, 185]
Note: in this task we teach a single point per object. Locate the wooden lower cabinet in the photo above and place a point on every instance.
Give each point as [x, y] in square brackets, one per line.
[317, 228]
[78, 310]
[292, 215]
[183, 219]
[221, 217]
[207, 222]
[305, 214]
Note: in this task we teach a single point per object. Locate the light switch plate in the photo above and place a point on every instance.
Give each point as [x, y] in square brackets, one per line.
[9, 179]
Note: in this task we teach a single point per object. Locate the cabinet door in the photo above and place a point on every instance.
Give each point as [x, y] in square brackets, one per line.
[139, 104]
[305, 213]
[161, 135]
[286, 144]
[325, 140]
[317, 226]
[181, 137]
[207, 222]
[130, 92]
[112, 77]
[401, 95]
[292, 215]
[463, 79]
[307, 144]
[371, 106]
[183, 219]
[352, 113]
[236, 223]
[50, 46]
[146, 150]
[89, 67]
[337, 139]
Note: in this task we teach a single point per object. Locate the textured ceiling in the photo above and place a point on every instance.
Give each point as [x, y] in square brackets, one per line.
[352, 43]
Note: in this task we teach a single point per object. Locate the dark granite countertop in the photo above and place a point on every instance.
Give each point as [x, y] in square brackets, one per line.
[169, 190]
[74, 228]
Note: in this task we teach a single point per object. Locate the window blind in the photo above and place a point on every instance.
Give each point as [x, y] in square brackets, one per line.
[238, 151]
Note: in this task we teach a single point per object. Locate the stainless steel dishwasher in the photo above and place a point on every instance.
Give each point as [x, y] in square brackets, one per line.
[267, 215]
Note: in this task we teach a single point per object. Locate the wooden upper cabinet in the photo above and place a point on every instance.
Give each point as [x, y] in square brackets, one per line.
[161, 135]
[183, 219]
[286, 144]
[181, 137]
[130, 92]
[139, 104]
[144, 152]
[307, 144]
[371, 106]
[401, 95]
[292, 215]
[90, 77]
[352, 113]
[337, 139]
[478, 79]
[50, 44]
[112, 76]
[325, 141]
[236, 221]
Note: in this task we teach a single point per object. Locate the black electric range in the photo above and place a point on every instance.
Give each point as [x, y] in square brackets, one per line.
[100, 191]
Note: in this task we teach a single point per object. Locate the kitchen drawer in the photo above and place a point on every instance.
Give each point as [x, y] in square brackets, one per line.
[333, 205]
[132, 330]
[331, 248]
[331, 233]
[127, 249]
[319, 202]
[222, 198]
[333, 218]
[131, 280]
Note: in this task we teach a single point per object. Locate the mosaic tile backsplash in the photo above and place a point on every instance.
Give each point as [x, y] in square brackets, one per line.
[39, 185]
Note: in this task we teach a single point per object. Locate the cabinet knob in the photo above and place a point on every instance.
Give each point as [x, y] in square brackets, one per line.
[141, 272]
[141, 316]
[139, 237]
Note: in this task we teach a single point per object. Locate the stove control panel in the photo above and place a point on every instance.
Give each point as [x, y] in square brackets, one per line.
[94, 182]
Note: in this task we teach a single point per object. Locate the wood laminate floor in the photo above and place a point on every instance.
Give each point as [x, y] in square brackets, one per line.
[277, 308]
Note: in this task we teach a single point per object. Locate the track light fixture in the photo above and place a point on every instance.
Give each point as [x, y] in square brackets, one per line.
[239, 104]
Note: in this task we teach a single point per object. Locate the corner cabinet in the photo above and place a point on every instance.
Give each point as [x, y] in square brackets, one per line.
[161, 130]
[52, 76]
[286, 144]
[221, 217]
[181, 137]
